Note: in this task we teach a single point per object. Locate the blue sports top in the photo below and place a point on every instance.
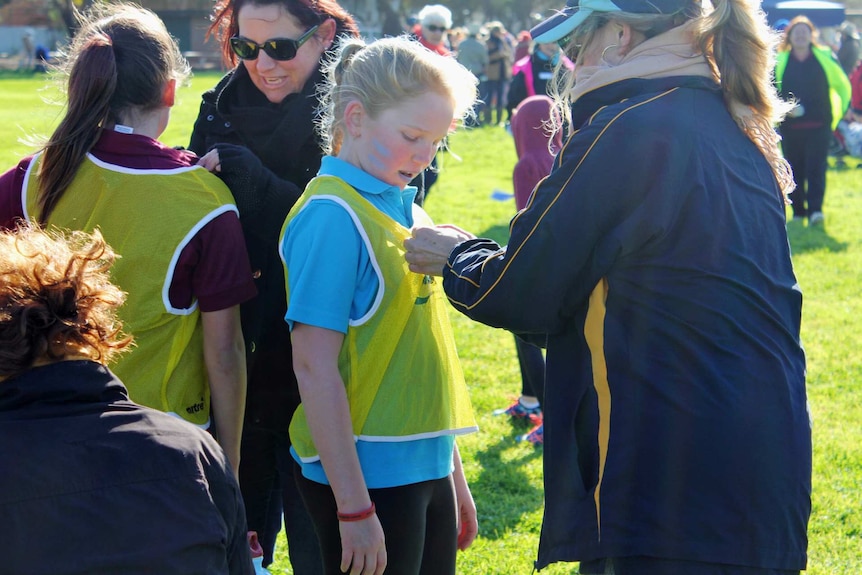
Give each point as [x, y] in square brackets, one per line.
[325, 232]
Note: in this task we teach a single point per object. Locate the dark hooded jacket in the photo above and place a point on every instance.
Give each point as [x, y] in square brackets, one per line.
[535, 145]
[531, 76]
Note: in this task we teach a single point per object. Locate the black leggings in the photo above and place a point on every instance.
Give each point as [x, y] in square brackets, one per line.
[806, 150]
[532, 364]
[418, 522]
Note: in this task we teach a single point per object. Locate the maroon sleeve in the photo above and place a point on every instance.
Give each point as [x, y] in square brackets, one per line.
[11, 183]
[214, 268]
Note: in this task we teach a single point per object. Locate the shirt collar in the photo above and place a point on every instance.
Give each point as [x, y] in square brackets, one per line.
[360, 179]
[139, 151]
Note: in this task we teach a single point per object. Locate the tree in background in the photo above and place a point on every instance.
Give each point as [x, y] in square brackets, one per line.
[55, 14]
[514, 14]
[67, 11]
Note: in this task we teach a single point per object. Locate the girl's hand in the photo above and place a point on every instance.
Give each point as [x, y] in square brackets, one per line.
[429, 248]
[468, 521]
[363, 549]
[465, 507]
[211, 161]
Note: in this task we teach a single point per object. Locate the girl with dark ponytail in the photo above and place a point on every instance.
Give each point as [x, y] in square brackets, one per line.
[183, 260]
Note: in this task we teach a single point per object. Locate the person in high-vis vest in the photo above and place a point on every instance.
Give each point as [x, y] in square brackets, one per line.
[383, 394]
[183, 259]
[809, 75]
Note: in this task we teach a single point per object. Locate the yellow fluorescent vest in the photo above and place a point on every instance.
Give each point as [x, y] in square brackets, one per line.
[147, 217]
[398, 362]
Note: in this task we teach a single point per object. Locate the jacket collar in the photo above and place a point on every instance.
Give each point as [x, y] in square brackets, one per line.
[589, 103]
[58, 388]
[272, 132]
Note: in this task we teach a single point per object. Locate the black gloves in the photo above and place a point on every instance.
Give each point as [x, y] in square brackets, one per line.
[263, 199]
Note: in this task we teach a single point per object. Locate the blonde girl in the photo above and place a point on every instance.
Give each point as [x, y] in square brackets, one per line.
[383, 395]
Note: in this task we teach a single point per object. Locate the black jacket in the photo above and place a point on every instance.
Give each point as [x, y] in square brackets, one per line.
[541, 71]
[268, 153]
[93, 483]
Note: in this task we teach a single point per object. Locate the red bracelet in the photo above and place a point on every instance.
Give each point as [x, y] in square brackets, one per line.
[358, 516]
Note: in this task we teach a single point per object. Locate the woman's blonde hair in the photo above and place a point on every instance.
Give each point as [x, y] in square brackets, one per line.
[383, 75]
[56, 299]
[739, 47]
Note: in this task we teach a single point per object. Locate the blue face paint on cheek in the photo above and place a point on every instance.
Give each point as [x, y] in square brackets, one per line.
[379, 154]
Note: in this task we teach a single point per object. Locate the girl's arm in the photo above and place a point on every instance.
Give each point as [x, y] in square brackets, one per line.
[315, 362]
[468, 523]
[224, 355]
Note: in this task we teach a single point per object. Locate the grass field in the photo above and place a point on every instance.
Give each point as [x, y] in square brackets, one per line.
[506, 477]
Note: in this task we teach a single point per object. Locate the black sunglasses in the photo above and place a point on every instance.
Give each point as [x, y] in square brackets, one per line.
[276, 48]
[433, 28]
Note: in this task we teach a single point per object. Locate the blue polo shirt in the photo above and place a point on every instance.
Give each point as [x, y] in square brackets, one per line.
[326, 254]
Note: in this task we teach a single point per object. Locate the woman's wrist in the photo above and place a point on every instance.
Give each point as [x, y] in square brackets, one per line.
[358, 515]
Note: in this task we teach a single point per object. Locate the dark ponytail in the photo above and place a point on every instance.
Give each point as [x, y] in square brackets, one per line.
[119, 63]
[91, 85]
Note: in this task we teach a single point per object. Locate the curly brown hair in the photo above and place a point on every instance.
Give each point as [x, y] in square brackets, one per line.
[56, 299]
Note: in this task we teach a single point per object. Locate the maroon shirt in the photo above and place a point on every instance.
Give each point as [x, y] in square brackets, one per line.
[213, 267]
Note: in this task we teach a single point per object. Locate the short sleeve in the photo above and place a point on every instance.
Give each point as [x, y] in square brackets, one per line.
[327, 267]
[11, 183]
[214, 268]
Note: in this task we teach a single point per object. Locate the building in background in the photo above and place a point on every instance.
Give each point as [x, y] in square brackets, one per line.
[50, 23]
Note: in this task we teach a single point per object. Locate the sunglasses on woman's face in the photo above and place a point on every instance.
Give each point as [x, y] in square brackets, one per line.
[433, 28]
[281, 49]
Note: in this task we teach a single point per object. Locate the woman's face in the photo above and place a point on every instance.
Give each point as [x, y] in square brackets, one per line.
[278, 79]
[800, 36]
[396, 146]
[434, 32]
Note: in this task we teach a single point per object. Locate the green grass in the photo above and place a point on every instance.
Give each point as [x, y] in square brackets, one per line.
[506, 477]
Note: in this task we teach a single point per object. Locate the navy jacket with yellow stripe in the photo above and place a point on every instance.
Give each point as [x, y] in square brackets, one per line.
[654, 261]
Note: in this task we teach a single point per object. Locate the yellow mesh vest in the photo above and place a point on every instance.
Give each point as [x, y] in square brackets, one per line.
[147, 217]
[399, 363]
